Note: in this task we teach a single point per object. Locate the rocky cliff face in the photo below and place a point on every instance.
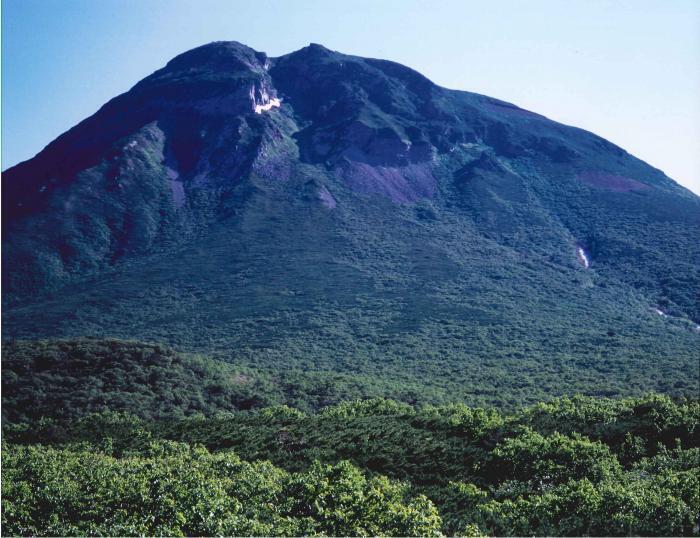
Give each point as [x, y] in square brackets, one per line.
[337, 208]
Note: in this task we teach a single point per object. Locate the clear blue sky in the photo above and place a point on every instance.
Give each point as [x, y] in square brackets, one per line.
[627, 70]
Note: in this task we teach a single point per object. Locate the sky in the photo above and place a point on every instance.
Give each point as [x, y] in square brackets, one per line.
[626, 70]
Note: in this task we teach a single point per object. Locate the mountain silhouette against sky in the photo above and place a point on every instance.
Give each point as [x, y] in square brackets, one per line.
[325, 213]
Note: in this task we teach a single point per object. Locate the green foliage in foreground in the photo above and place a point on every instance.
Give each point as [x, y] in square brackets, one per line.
[172, 489]
[573, 466]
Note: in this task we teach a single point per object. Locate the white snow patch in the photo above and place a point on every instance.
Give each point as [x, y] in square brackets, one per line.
[274, 102]
[582, 257]
[265, 102]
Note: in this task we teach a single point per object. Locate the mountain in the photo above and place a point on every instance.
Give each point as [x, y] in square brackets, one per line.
[320, 215]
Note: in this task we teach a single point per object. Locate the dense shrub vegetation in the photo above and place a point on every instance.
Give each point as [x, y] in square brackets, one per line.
[172, 489]
[572, 466]
[67, 378]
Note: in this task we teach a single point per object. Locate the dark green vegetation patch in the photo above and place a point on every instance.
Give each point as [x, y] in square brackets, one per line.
[64, 379]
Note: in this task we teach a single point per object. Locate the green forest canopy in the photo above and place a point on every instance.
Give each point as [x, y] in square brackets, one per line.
[572, 466]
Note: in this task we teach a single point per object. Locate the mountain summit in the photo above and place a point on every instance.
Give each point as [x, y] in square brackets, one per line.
[321, 212]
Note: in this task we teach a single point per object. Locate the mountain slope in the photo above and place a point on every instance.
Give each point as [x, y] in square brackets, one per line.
[328, 213]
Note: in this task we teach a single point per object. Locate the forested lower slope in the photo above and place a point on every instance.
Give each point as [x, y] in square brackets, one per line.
[67, 378]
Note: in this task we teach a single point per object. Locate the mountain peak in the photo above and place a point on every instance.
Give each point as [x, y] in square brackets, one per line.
[217, 56]
[313, 52]
[317, 47]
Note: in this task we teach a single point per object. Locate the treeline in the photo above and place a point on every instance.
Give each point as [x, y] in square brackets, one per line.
[572, 466]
